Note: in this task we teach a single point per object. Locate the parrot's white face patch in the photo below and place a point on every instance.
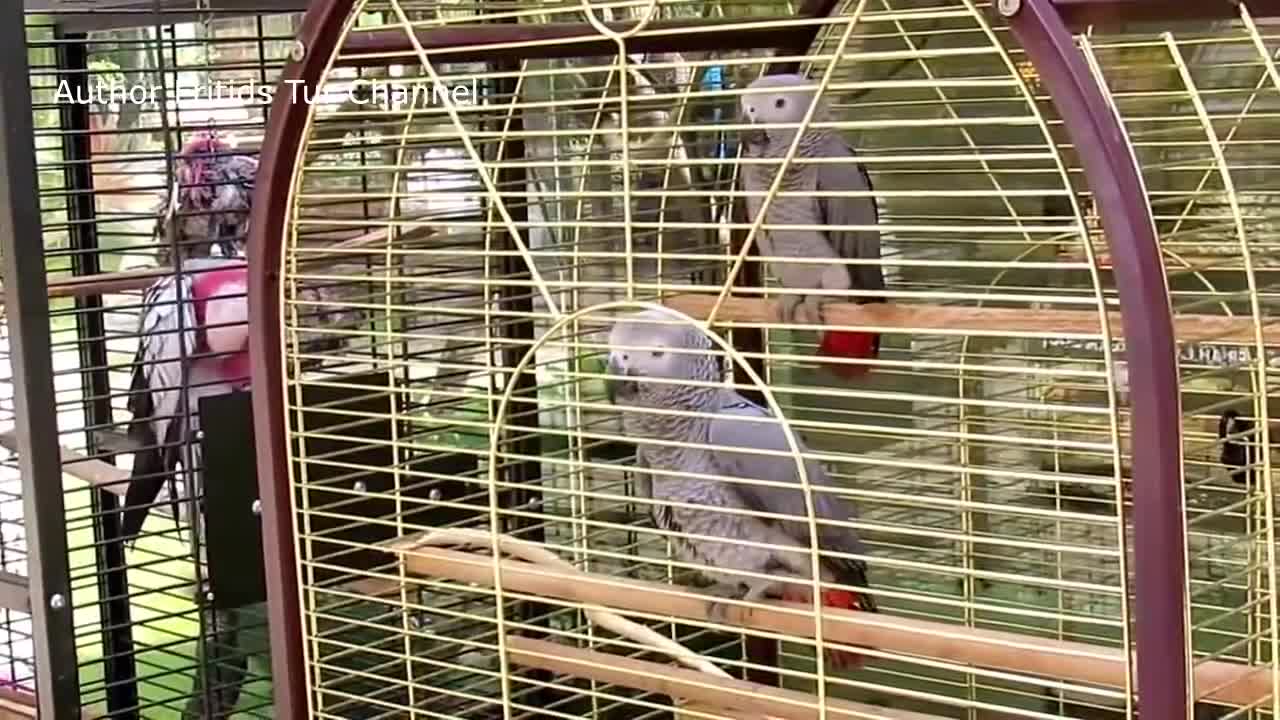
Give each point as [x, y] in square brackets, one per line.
[640, 349]
[780, 106]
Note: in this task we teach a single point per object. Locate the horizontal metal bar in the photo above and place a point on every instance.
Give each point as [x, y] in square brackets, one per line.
[465, 43]
[1078, 13]
[82, 16]
[126, 280]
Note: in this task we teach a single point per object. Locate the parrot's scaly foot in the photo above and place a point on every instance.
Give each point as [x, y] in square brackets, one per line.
[809, 312]
[800, 310]
[718, 611]
[787, 308]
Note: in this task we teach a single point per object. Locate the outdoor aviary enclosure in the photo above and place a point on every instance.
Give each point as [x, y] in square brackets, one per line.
[421, 498]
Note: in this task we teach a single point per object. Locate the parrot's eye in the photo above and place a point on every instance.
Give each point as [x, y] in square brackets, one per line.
[779, 103]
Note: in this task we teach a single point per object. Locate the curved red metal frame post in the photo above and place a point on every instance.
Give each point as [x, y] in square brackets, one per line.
[1120, 198]
[319, 35]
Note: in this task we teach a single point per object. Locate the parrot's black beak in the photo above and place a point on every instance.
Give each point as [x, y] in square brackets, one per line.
[753, 135]
[616, 385]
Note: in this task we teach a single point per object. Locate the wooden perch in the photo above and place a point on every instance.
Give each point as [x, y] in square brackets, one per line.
[95, 472]
[1060, 660]
[976, 320]
[128, 280]
[730, 696]
[15, 704]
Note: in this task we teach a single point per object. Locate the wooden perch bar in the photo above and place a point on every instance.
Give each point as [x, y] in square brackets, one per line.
[976, 320]
[128, 280]
[1061, 660]
[737, 698]
[97, 473]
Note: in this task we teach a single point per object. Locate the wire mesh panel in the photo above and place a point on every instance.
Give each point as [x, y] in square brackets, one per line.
[520, 181]
[137, 113]
[1197, 101]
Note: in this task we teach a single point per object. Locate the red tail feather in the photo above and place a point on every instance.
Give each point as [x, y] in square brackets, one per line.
[842, 344]
[843, 600]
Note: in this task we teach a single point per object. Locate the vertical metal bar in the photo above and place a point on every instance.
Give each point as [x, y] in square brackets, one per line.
[119, 671]
[519, 335]
[287, 122]
[39, 458]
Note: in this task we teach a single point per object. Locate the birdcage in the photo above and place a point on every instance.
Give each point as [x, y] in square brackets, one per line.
[101, 105]
[1054, 454]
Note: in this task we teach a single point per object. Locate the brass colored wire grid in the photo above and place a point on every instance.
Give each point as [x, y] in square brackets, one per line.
[987, 450]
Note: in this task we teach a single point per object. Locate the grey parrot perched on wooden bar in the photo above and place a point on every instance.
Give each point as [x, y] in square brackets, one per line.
[653, 346]
[783, 99]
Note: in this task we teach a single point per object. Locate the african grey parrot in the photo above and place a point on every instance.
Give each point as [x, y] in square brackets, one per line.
[649, 345]
[208, 205]
[777, 104]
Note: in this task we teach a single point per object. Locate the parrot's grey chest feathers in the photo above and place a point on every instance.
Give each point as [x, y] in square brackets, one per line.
[691, 508]
[800, 209]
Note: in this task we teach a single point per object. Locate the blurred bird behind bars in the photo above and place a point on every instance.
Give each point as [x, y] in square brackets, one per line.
[122, 185]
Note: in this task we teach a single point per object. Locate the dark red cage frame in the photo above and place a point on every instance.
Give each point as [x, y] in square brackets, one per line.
[1042, 27]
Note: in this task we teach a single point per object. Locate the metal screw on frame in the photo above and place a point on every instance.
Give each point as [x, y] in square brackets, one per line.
[1008, 8]
[57, 601]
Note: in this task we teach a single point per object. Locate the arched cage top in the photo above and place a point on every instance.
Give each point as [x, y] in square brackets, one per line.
[487, 186]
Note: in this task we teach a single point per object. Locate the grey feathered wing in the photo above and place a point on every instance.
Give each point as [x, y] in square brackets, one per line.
[158, 388]
[735, 428]
[155, 393]
[851, 244]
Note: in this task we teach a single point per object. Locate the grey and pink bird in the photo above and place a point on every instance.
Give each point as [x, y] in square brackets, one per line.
[697, 490]
[193, 342]
[208, 204]
[794, 222]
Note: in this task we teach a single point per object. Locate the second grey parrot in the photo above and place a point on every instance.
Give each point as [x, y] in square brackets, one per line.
[784, 100]
[654, 346]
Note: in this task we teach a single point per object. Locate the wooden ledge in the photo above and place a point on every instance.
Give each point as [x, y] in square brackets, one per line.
[722, 696]
[966, 320]
[1056, 660]
[99, 474]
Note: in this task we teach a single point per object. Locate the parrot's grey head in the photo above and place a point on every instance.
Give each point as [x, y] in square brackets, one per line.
[777, 99]
[656, 344]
